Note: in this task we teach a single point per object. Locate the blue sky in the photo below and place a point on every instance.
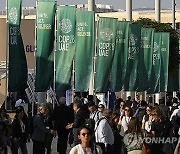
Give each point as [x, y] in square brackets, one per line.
[117, 4]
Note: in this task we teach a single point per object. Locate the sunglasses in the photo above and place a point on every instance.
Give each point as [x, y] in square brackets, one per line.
[127, 110]
[84, 134]
[100, 107]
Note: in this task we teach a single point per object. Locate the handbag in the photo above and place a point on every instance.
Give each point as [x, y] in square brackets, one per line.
[145, 149]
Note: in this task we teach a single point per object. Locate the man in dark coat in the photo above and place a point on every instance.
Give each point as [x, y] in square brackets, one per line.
[63, 115]
[79, 118]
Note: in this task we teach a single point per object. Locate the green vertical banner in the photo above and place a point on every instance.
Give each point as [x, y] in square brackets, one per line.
[84, 49]
[106, 45]
[145, 58]
[164, 61]
[131, 79]
[66, 17]
[154, 84]
[17, 59]
[120, 56]
[45, 44]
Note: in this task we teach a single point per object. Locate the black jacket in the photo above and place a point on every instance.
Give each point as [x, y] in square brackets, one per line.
[62, 115]
[17, 131]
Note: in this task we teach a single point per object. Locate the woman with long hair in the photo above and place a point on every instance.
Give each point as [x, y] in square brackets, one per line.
[133, 138]
[86, 146]
[125, 119]
[147, 119]
[117, 137]
[19, 132]
[160, 129]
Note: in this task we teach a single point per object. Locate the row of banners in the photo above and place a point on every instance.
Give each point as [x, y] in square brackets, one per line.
[126, 55]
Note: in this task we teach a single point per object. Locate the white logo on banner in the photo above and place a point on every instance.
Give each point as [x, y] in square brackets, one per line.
[156, 47]
[13, 15]
[132, 39]
[106, 34]
[65, 25]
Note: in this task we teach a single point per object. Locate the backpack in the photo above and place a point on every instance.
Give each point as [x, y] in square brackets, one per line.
[90, 123]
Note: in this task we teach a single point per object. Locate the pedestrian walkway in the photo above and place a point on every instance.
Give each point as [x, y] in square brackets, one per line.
[54, 147]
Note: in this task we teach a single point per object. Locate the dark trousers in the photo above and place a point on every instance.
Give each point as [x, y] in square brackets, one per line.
[38, 147]
[21, 145]
[47, 142]
[76, 139]
[109, 148]
[62, 141]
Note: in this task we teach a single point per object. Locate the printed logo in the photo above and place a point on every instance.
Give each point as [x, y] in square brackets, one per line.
[132, 139]
[132, 39]
[156, 47]
[106, 34]
[65, 25]
[13, 15]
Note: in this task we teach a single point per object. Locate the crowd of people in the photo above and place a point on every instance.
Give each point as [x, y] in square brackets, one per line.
[131, 127]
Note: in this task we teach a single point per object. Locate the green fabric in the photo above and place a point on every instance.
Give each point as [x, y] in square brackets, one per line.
[154, 85]
[84, 49]
[164, 61]
[145, 58]
[120, 56]
[131, 79]
[17, 60]
[66, 16]
[45, 44]
[105, 52]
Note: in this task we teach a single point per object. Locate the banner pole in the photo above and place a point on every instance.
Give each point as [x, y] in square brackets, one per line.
[165, 98]
[7, 53]
[95, 55]
[54, 82]
[35, 44]
[73, 80]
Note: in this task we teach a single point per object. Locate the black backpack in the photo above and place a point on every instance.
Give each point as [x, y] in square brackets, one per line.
[90, 123]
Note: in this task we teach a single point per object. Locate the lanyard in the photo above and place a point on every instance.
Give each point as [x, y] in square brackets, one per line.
[84, 151]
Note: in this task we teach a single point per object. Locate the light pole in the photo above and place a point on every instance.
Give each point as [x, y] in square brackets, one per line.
[91, 5]
[158, 10]
[129, 10]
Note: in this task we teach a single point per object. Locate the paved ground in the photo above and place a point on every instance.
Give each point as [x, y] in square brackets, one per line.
[54, 144]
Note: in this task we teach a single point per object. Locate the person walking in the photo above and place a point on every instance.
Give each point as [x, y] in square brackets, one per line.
[103, 133]
[19, 132]
[85, 146]
[39, 130]
[133, 138]
[79, 119]
[62, 115]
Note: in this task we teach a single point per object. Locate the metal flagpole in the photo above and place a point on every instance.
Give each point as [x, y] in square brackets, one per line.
[7, 53]
[91, 7]
[158, 10]
[174, 14]
[95, 56]
[54, 82]
[129, 10]
[35, 44]
[73, 79]
[165, 99]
